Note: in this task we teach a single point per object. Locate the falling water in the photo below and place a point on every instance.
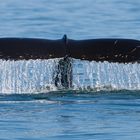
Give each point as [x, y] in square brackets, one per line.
[105, 76]
[35, 76]
[27, 76]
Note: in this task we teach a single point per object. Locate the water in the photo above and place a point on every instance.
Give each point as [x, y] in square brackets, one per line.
[27, 76]
[38, 76]
[104, 100]
[105, 76]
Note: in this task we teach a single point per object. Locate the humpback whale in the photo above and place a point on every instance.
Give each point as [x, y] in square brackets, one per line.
[111, 50]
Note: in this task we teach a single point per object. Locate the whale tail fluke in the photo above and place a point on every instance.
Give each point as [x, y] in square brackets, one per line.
[112, 50]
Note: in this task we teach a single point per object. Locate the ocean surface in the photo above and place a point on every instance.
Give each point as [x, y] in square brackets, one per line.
[104, 101]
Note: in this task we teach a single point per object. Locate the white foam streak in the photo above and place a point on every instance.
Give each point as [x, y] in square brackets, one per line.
[27, 76]
[36, 76]
[105, 75]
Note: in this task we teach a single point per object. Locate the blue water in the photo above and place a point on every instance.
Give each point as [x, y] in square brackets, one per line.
[82, 114]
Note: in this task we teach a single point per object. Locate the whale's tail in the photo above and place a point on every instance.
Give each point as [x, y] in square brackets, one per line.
[111, 50]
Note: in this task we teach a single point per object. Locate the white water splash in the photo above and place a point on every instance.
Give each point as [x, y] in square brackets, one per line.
[27, 76]
[35, 76]
[105, 76]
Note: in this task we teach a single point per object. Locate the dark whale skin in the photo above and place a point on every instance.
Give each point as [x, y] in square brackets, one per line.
[111, 50]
